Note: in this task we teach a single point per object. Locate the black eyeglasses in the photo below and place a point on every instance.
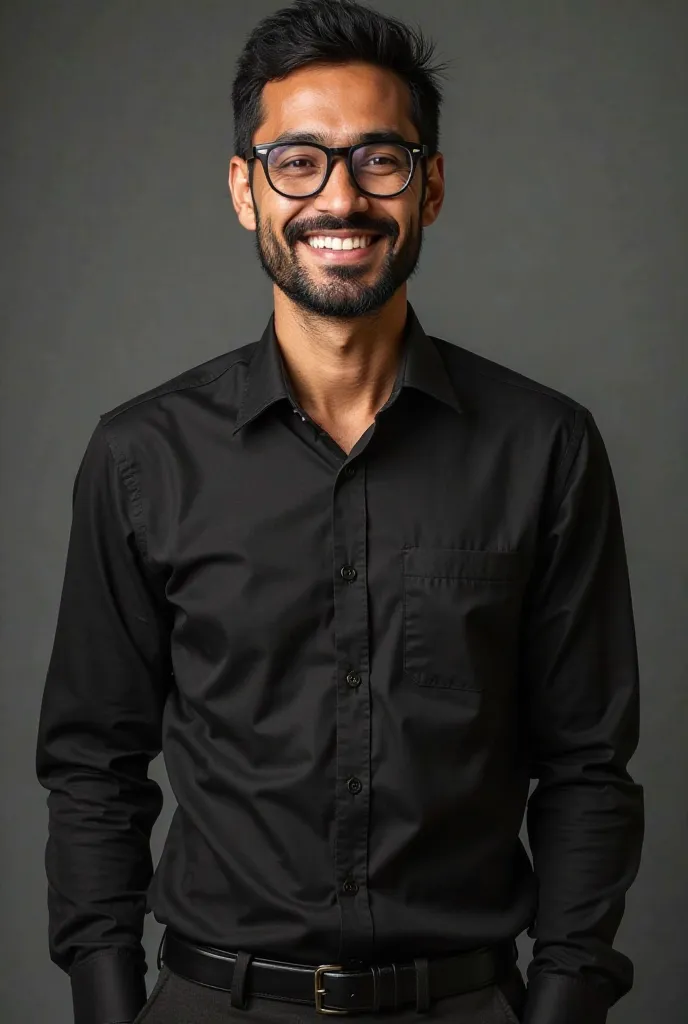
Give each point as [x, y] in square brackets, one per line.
[297, 170]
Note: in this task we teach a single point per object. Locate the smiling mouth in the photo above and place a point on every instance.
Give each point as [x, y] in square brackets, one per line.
[348, 247]
[340, 242]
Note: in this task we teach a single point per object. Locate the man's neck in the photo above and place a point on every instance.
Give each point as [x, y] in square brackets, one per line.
[342, 371]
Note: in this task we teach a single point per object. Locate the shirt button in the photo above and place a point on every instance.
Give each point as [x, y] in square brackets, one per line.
[350, 886]
[348, 572]
[353, 679]
[350, 470]
[355, 785]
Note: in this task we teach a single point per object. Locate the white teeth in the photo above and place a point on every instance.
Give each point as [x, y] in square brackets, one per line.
[336, 242]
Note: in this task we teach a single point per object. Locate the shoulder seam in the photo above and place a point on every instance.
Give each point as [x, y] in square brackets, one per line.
[163, 389]
[542, 389]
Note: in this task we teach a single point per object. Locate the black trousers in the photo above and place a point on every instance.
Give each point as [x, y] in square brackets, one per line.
[174, 1000]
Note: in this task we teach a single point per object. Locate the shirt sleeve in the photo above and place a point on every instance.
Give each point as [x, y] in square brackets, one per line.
[585, 817]
[99, 728]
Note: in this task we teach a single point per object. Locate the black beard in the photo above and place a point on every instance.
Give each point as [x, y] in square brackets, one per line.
[345, 296]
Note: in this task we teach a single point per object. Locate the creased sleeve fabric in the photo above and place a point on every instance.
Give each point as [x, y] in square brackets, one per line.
[580, 683]
[100, 726]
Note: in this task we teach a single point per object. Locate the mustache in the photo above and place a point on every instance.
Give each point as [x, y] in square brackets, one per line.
[293, 233]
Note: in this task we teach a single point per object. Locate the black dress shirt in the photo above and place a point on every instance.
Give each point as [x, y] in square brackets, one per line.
[354, 665]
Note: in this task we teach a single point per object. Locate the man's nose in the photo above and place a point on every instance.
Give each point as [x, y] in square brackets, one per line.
[340, 195]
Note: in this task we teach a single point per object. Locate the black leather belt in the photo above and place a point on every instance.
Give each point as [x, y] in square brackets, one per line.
[330, 987]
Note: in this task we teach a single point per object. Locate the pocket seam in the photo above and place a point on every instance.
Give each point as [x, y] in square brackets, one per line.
[471, 569]
[499, 559]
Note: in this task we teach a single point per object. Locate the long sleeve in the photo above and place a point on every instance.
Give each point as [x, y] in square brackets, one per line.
[100, 726]
[585, 817]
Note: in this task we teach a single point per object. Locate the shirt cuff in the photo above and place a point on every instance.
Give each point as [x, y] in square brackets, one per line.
[107, 988]
[562, 999]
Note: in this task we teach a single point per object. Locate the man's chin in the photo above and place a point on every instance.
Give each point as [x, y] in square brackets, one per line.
[340, 301]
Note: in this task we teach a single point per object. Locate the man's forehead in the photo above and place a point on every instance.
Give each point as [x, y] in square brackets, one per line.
[337, 103]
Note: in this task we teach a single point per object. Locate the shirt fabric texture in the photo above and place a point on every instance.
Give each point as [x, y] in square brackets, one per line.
[354, 666]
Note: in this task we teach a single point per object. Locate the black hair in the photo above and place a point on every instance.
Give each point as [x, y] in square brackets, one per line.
[334, 32]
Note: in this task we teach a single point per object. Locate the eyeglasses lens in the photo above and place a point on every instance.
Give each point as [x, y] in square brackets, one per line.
[381, 168]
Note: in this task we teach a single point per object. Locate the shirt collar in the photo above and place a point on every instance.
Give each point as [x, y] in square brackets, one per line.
[420, 366]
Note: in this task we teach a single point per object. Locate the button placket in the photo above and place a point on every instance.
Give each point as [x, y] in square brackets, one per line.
[349, 530]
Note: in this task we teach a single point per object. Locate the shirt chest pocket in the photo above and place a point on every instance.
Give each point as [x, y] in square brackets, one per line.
[461, 616]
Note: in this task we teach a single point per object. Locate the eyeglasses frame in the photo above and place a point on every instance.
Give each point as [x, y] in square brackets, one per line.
[261, 152]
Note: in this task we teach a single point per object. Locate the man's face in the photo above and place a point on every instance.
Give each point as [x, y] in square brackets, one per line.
[338, 105]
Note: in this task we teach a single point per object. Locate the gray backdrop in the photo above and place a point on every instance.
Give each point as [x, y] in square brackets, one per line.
[561, 252]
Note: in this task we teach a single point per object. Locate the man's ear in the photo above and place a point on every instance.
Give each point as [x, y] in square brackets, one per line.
[239, 181]
[433, 192]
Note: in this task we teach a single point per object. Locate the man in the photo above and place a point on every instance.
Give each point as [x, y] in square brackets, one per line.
[360, 585]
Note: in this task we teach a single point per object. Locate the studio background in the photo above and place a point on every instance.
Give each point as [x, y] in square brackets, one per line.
[561, 251]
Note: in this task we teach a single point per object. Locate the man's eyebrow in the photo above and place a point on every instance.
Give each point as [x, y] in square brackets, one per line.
[378, 135]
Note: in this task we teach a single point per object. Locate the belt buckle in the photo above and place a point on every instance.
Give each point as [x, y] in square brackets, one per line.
[320, 992]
